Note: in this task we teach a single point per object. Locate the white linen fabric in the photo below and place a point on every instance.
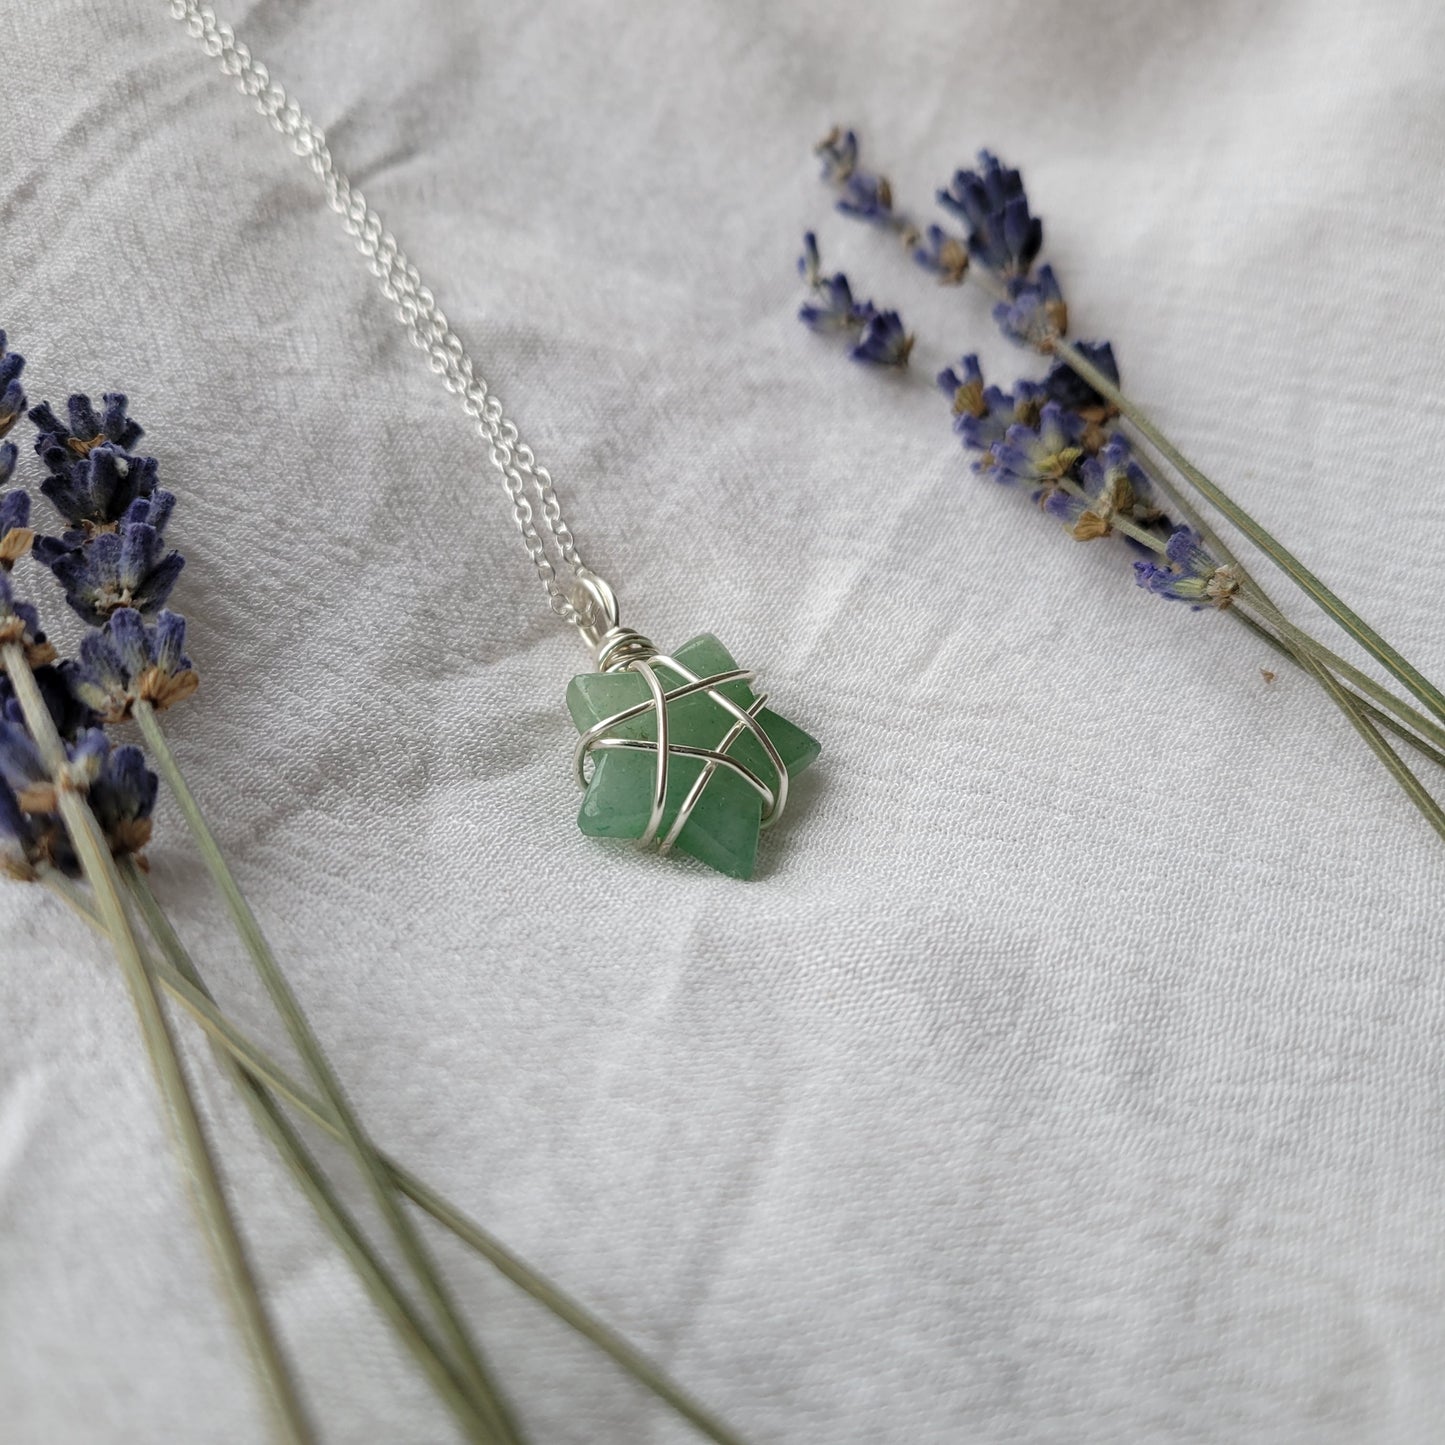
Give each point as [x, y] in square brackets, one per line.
[1071, 1070]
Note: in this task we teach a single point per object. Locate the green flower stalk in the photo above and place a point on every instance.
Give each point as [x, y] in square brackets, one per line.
[99, 869]
[177, 974]
[271, 1120]
[465, 1357]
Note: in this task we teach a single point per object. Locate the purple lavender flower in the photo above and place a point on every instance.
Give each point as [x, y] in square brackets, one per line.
[880, 339]
[125, 568]
[112, 555]
[1114, 486]
[16, 534]
[987, 428]
[111, 560]
[839, 152]
[1078, 514]
[87, 428]
[963, 388]
[1035, 314]
[70, 716]
[154, 510]
[867, 198]
[884, 341]
[810, 264]
[23, 768]
[1113, 465]
[126, 662]
[1114, 470]
[1065, 386]
[94, 492]
[1043, 456]
[946, 256]
[1002, 235]
[862, 195]
[835, 309]
[121, 789]
[20, 623]
[12, 393]
[22, 847]
[982, 415]
[31, 841]
[1191, 576]
[123, 797]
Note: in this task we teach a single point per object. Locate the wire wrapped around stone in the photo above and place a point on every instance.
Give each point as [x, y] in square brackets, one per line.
[640, 657]
[616, 648]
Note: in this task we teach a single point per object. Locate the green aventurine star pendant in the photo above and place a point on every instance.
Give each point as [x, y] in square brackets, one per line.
[719, 772]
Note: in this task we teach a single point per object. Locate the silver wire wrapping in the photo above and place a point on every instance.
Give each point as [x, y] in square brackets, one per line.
[620, 649]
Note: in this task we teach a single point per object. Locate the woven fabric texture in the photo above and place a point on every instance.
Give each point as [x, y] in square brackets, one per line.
[1071, 1072]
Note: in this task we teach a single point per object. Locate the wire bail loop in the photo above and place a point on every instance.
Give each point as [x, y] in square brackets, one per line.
[614, 647]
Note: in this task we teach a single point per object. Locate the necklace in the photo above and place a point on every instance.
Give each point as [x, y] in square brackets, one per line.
[675, 751]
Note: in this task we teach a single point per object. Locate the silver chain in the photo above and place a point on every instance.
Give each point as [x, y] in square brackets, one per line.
[416, 307]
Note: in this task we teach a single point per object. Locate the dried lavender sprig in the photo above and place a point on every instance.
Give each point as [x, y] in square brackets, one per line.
[190, 1136]
[1197, 574]
[1290, 637]
[22, 648]
[978, 411]
[113, 564]
[340, 1223]
[878, 337]
[1043, 458]
[1315, 660]
[1006, 240]
[185, 987]
[466, 1355]
[1303, 651]
[868, 197]
[1188, 571]
[1332, 605]
[1287, 638]
[1032, 311]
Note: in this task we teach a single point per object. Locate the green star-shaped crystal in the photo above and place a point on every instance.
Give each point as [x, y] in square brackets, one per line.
[722, 828]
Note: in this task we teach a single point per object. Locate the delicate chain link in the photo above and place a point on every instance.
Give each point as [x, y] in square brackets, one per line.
[416, 307]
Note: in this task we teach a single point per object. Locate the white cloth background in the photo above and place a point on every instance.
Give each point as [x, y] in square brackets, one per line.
[1071, 1072]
